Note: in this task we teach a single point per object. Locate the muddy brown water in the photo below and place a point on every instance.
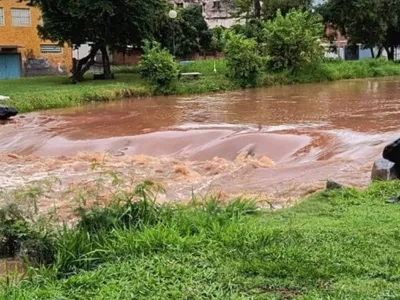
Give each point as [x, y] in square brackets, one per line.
[277, 144]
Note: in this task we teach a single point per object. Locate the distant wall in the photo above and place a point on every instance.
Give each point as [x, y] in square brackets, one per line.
[42, 66]
[133, 57]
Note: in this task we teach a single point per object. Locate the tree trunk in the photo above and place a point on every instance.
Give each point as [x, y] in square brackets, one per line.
[81, 66]
[106, 63]
[390, 52]
[372, 52]
[379, 52]
[257, 9]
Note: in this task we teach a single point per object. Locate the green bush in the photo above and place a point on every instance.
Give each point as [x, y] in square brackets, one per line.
[293, 40]
[242, 60]
[217, 39]
[157, 66]
[18, 237]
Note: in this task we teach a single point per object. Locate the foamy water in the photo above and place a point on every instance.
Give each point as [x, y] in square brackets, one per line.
[277, 144]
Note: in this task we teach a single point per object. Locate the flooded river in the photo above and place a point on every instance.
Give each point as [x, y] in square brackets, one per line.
[276, 144]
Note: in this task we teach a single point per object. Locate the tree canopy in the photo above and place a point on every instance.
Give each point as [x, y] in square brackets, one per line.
[293, 40]
[256, 9]
[190, 31]
[372, 23]
[270, 7]
[106, 24]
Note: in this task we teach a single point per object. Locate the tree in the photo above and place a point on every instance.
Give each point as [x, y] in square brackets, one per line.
[293, 40]
[270, 7]
[266, 10]
[218, 39]
[244, 9]
[106, 24]
[372, 23]
[243, 62]
[190, 30]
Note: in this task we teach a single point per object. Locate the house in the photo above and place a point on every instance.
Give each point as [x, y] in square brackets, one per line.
[215, 12]
[22, 52]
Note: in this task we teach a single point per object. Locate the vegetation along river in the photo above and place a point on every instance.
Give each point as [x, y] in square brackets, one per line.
[277, 144]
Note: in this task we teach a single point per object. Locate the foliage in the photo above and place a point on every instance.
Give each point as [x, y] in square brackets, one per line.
[373, 23]
[270, 7]
[189, 30]
[19, 237]
[157, 65]
[244, 9]
[247, 8]
[293, 40]
[337, 244]
[97, 22]
[217, 39]
[242, 60]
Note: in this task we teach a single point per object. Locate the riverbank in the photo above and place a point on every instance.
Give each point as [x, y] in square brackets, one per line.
[336, 244]
[32, 94]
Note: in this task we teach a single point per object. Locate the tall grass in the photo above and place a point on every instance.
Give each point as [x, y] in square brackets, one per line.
[205, 67]
[335, 245]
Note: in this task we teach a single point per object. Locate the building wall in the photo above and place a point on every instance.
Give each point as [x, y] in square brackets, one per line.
[27, 38]
[219, 13]
[133, 57]
[130, 58]
[81, 52]
[215, 12]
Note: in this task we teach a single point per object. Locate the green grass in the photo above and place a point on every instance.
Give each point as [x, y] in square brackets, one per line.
[31, 94]
[336, 245]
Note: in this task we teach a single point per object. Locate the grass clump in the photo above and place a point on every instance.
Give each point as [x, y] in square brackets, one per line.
[337, 244]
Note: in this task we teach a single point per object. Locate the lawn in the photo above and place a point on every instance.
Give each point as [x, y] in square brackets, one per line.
[31, 94]
[341, 244]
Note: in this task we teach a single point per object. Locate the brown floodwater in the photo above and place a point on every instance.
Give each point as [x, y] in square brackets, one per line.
[277, 144]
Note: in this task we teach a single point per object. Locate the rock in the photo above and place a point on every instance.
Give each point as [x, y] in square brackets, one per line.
[392, 152]
[7, 112]
[332, 185]
[384, 170]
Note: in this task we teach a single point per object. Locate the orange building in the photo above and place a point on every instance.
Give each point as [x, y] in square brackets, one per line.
[22, 52]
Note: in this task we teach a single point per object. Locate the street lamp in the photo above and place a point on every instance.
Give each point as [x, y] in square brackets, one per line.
[172, 15]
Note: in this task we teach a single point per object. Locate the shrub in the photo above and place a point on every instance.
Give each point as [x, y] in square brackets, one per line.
[244, 65]
[293, 40]
[157, 65]
[217, 39]
[18, 237]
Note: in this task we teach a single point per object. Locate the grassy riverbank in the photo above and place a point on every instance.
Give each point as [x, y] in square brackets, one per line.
[31, 94]
[336, 245]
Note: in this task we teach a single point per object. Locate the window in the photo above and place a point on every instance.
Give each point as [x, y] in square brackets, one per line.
[216, 4]
[21, 16]
[1, 16]
[179, 5]
[46, 49]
